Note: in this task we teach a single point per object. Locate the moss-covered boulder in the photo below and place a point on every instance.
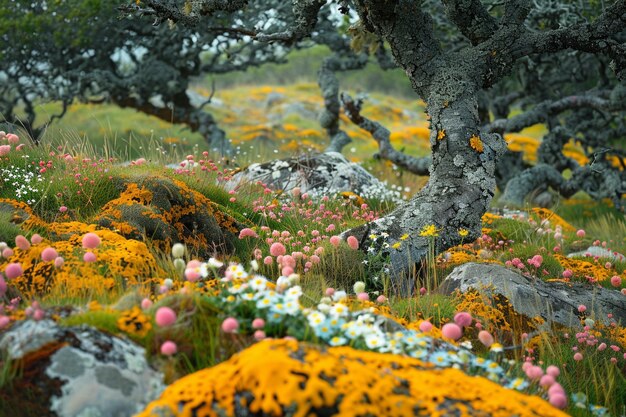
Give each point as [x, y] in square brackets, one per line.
[287, 378]
[167, 211]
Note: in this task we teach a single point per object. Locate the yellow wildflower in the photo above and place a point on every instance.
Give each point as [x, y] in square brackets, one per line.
[441, 134]
[134, 322]
[404, 236]
[463, 232]
[476, 143]
[429, 231]
[396, 245]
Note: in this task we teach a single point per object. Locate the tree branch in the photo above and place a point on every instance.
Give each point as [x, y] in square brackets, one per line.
[418, 166]
[472, 19]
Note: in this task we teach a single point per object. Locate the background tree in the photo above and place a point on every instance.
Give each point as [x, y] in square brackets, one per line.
[496, 36]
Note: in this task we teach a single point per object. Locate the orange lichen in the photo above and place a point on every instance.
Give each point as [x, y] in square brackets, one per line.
[476, 144]
[274, 376]
[441, 134]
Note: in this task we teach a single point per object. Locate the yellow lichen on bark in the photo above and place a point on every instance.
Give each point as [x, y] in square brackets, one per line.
[274, 376]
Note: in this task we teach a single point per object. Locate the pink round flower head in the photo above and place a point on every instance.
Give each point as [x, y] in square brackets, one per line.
[38, 314]
[91, 241]
[546, 381]
[49, 254]
[451, 331]
[13, 138]
[287, 271]
[230, 325]
[426, 326]
[13, 270]
[21, 242]
[258, 323]
[558, 400]
[146, 303]
[567, 273]
[463, 319]
[330, 291]
[247, 232]
[36, 239]
[556, 388]
[423, 291]
[194, 263]
[89, 257]
[165, 316]
[58, 262]
[578, 356]
[335, 240]
[259, 335]
[7, 253]
[192, 274]
[168, 348]
[580, 233]
[582, 308]
[63, 209]
[4, 321]
[485, 338]
[353, 242]
[5, 149]
[268, 260]
[616, 281]
[553, 370]
[381, 299]
[362, 296]
[534, 372]
[277, 249]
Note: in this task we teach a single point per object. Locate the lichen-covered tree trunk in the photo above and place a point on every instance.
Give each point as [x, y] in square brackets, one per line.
[449, 208]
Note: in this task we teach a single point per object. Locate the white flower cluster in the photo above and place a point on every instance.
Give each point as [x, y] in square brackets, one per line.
[23, 182]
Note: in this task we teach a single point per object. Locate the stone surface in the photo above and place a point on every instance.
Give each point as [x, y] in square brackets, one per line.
[597, 251]
[74, 372]
[555, 302]
[324, 174]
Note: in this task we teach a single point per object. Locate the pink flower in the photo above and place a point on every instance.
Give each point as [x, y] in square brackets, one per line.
[230, 325]
[363, 296]
[582, 308]
[259, 335]
[546, 381]
[556, 388]
[335, 240]
[258, 323]
[268, 260]
[286, 271]
[192, 274]
[168, 348]
[165, 316]
[426, 326]
[62, 209]
[13, 270]
[12, 138]
[36, 239]
[146, 303]
[485, 338]
[381, 299]
[7, 253]
[277, 249]
[567, 273]
[578, 356]
[553, 371]
[58, 262]
[558, 400]
[330, 291]
[21, 242]
[451, 331]
[91, 241]
[534, 372]
[580, 233]
[616, 281]
[463, 319]
[89, 257]
[49, 254]
[5, 149]
[423, 291]
[353, 242]
[4, 321]
[247, 232]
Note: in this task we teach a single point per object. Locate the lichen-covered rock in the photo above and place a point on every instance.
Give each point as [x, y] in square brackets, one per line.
[73, 372]
[285, 378]
[593, 252]
[323, 174]
[553, 302]
[167, 211]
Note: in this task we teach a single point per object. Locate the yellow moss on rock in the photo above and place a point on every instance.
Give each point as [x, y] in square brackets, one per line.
[278, 377]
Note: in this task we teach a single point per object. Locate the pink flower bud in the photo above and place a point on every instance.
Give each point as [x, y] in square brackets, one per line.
[165, 316]
[230, 325]
[451, 331]
[168, 348]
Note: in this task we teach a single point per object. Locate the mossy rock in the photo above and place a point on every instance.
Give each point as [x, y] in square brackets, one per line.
[167, 211]
[287, 378]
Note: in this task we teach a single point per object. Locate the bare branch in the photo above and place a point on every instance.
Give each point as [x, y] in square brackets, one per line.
[472, 19]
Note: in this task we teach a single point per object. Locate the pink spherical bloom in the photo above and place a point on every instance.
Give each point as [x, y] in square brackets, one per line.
[553, 371]
[49, 254]
[268, 260]
[616, 281]
[38, 314]
[146, 303]
[567, 273]
[277, 249]
[580, 233]
[623, 291]
[4, 321]
[546, 381]
[526, 366]
[602, 346]
[353, 242]
[230, 325]
[5, 149]
[168, 348]
[452, 331]
[247, 232]
[89, 257]
[315, 259]
[91, 241]
[165, 316]
[286, 271]
[534, 372]
[258, 323]
[13, 270]
[578, 356]
[58, 262]
[485, 338]
[7, 252]
[163, 289]
[329, 292]
[259, 335]
[22, 243]
[12, 138]
[363, 296]
[63, 209]
[558, 400]
[36, 239]
[288, 260]
[556, 388]
[335, 240]
[582, 308]
[192, 274]
[194, 263]
[426, 326]
[422, 291]
[463, 319]
[381, 299]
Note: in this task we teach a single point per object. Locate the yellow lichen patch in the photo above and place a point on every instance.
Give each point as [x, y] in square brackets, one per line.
[526, 144]
[574, 150]
[476, 144]
[275, 375]
[582, 268]
[553, 218]
[441, 134]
